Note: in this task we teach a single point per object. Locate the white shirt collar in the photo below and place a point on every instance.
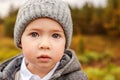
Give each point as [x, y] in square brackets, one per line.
[25, 74]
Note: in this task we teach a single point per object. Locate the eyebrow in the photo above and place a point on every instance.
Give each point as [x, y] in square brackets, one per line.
[32, 29]
[54, 30]
[57, 30]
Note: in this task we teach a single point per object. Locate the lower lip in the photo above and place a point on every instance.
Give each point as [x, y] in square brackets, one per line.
[43, 59]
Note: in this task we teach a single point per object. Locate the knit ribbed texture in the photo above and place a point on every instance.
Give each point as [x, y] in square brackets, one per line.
[34, 9]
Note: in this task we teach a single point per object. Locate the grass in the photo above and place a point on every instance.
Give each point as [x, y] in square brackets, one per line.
[100, 57]
[7, 49]
[110, 72]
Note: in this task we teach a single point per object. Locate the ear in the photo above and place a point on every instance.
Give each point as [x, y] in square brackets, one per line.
[20, 45]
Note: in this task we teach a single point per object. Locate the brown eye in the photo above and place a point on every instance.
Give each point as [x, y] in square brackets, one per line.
[34, 34]
[56, 35]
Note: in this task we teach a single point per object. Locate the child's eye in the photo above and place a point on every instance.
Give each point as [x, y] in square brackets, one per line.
[55, 35]
[34, 34]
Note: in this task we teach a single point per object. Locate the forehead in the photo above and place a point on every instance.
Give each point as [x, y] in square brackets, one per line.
[44, 23]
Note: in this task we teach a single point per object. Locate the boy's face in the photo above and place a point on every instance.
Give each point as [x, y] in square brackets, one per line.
[43, 44]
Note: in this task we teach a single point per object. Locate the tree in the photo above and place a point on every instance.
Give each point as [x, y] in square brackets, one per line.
[112, 18]
[9, 22]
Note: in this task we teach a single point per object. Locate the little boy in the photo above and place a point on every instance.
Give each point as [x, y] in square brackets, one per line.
[43, 31]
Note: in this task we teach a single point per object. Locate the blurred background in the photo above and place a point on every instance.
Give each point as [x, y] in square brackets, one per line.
[96, 36]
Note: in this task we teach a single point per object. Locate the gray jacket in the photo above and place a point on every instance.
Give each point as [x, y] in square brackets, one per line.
[69, 68]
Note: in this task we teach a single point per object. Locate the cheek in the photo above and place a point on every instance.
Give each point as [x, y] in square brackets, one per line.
[27, 48]
[59, 51]
[28, 53]
[60, 44]
[58, 55]
[27, 44]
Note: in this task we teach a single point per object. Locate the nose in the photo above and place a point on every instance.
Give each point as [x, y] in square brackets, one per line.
[44, 44]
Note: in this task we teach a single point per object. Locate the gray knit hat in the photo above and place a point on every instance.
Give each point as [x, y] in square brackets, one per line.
[34, 9]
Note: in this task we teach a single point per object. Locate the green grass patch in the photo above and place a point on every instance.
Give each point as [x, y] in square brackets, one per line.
[111, 72]
[7, 49]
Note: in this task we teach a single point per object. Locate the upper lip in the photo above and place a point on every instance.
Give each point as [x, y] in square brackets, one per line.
[44, 56]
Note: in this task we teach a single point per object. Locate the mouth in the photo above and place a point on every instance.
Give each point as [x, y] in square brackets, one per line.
[44, 58]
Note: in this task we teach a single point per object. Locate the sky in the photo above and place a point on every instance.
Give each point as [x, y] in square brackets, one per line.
[5, 4]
